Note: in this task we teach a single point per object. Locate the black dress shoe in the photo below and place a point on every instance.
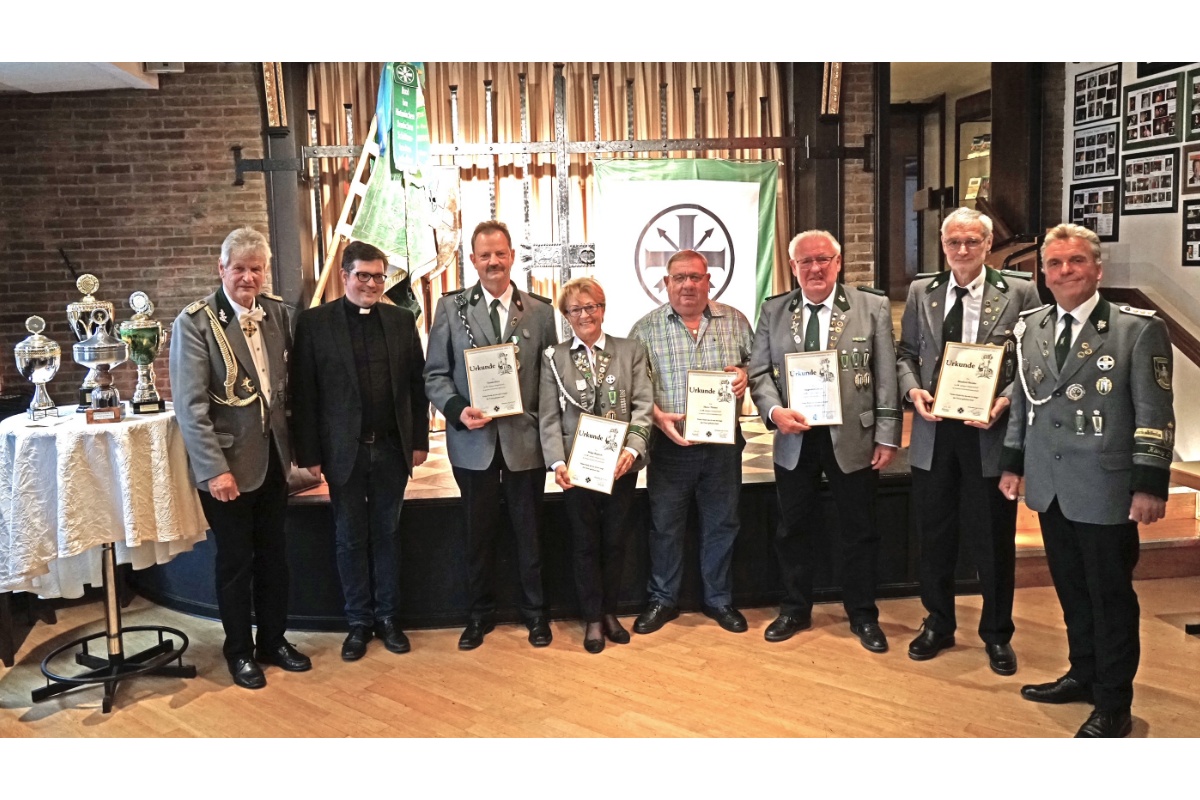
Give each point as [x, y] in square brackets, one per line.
[355, 645]
[871, 636]
[654, 617]
[929, 643]
[284, 656]
[1001, 658]
[615, 632]
[727, 617]
[473, 635]
[247, 674]
[1106, 725]
[1064, 690]
[785, 627]
[392, 637]
[539, 632]
[594, 645]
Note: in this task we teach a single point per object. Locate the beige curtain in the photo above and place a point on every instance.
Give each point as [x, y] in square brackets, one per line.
[332, 84]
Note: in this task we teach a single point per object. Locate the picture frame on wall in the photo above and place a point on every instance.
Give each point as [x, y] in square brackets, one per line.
[1150, 183]
[1097, 94]
[1147, 68]
[1152, 112]
[1094, 152]
[1191, 90]
[1189, 182]
[1094, 206]
[1191, 233]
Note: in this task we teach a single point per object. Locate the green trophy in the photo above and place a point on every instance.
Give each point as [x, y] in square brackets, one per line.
[145, 337]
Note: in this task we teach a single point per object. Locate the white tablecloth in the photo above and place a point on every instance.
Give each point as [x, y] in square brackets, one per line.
[66, 488]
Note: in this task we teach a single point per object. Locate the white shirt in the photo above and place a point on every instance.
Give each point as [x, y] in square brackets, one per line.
[257, 349]
[972, 302]
[1080, 314]
[505, 299]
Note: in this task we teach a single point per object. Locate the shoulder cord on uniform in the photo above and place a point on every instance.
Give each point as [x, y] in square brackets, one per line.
[231, 399]
[562, 391]
[461, 302]
[1019, 331]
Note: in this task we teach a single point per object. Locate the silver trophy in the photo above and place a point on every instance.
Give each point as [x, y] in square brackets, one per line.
[38, 359]
[100, 353]
[145, 338]
[85, 317]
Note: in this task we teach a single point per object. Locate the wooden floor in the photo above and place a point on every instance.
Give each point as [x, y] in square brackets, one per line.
[690, 679]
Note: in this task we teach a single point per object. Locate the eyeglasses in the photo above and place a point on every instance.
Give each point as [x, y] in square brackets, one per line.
[814, 261]
[690, 277]
[367, 277]
[956, 244]
[590, 309]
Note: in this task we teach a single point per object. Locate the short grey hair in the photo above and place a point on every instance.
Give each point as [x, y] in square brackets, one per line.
[687, 254]
[244, 240]
[968, 216]
[799, 237]
[1069, 230]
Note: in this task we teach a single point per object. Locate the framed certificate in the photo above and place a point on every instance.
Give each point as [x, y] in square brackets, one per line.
[595, 451]
[967, 382]
[711, 413]
[492, 380]
[813, 386]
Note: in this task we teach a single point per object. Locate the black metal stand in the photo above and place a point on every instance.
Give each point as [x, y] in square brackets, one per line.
[117, 667]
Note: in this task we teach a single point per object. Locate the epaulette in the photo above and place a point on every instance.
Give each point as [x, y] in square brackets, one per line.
[1033, 310]
[454, 291]
[270, 296]
[781, 294]
[1141, 312]
[1013, 273]
[545, 300]
[196, 306]
[921, 275]
[872, 290]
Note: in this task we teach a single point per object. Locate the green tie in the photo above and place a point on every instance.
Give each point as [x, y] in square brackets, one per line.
[495, 315]
[1063, 345]
[812, 333]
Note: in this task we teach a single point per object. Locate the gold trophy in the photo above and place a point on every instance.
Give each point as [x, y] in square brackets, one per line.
[85, 317]
[38, 359]
[145, 338]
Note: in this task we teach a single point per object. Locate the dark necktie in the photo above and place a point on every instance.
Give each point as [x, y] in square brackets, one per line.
[495, 315]
[1063, 345]
[812, 333]
[952, 326]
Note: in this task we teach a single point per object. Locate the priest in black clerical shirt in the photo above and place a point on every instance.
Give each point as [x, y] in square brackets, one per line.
[359, 415]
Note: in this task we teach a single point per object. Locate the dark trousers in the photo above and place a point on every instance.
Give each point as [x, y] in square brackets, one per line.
[1092, 567]
[599, 529]
[366, 511]
[712, 474]
[251, 562]
[956, 501]
[522, 489]
[800, 521]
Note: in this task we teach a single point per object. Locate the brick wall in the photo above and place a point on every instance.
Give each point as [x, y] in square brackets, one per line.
[137, 188]
[858, 118]
[1054, 90]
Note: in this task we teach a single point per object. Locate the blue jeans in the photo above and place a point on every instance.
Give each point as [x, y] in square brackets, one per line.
[366, 511]
[712, 473]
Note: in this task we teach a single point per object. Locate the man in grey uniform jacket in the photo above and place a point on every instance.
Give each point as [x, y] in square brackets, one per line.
[1092, 429]
[229, 383]
[955, 464]
[491, 455]
[823, 315]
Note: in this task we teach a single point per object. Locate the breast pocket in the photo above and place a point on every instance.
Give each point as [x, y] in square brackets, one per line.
[867, 418]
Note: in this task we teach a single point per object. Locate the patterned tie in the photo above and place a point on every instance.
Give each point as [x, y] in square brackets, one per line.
[1063, 345]
[952, 326]
[495, 315]
[812, 332]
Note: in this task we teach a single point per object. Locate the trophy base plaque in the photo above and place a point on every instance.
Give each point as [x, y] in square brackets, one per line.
[112, 414]
[147, 406]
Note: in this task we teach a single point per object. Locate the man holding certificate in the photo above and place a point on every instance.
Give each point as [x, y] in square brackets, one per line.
[823, 376]
[492, 450]
[686, 335]
[595, 412]
[956, 462]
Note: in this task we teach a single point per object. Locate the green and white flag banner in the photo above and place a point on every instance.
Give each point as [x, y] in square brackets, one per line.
[649, 209]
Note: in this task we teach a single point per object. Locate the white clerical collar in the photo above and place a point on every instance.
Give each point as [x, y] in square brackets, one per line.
[974, 286]
[504, 297]
[238, 309]
[577, 342]
[1082, 311]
